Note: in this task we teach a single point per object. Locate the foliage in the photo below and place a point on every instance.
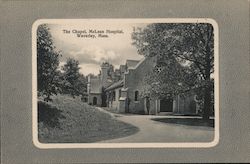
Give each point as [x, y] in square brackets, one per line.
[184, 55]
[74, 83]
[47, 64]
[68, 120]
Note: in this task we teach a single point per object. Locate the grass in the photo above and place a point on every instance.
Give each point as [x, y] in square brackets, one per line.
[186, 121]
[68, 120]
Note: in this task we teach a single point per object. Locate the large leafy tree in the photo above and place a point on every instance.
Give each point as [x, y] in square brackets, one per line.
[74, 83]
[185, 58]
[47, 64]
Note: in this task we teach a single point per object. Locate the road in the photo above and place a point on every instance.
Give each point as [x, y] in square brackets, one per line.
[155, 131]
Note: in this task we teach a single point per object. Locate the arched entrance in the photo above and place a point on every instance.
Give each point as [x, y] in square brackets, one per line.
[94, 100]
[166, 105]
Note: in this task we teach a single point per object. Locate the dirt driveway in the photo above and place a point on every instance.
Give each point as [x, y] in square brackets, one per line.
[156, 131]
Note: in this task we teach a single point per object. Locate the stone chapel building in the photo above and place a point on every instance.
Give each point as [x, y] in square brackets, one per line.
[121, 90]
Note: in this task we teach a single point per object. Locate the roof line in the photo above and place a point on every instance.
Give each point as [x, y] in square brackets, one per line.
[115, 85]
[132, 60]
[139, 63]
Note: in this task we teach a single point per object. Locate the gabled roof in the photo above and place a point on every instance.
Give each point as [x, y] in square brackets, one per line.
[131, 63]
[115, 85]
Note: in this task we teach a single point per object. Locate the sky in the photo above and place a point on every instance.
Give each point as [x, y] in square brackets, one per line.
[91, 52]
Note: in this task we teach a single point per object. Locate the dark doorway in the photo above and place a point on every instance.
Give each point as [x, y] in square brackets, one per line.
[166, 105]
[147, 105]
[104, 100]
[94, 101]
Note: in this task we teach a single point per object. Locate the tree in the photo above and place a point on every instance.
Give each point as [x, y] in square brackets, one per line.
[103, 97]
[74, 83]
[185, 57]
[168, 80]
[47, 64]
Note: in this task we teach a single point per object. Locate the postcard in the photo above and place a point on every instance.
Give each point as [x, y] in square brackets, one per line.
[125, 83]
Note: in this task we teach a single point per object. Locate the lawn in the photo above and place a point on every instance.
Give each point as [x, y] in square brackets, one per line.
[68, 120]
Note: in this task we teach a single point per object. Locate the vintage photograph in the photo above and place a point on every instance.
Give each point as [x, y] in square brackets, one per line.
[124, 81]
[128, 81]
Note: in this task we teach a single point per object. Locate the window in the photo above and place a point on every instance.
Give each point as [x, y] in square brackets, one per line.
[136, 95]
[120, 93]
[94, 101]
[113, 95]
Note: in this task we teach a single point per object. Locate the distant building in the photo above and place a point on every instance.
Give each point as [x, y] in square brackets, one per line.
[97, 84]
[121, 90]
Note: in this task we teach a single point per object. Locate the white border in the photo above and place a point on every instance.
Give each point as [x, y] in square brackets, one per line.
[124, 145]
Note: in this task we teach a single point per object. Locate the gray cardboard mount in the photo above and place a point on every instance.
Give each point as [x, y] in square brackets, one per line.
[17, 18]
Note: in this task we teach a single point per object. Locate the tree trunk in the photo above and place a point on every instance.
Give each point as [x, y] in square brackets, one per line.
[207, 94]
[207, 104]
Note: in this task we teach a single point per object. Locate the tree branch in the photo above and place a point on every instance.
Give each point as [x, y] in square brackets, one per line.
[198, 64]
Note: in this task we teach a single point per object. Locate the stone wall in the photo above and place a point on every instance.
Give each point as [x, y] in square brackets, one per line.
[150, 106]
[134, 81]
[91, 97]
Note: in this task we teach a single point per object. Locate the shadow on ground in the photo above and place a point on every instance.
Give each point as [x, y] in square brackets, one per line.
[186, 121]
[49, 115]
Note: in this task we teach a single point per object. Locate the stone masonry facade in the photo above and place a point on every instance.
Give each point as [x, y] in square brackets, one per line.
[121, 90]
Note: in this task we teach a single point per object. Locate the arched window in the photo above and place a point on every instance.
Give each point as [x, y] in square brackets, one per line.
[120, 93]
[136, 95]
[114, 96]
